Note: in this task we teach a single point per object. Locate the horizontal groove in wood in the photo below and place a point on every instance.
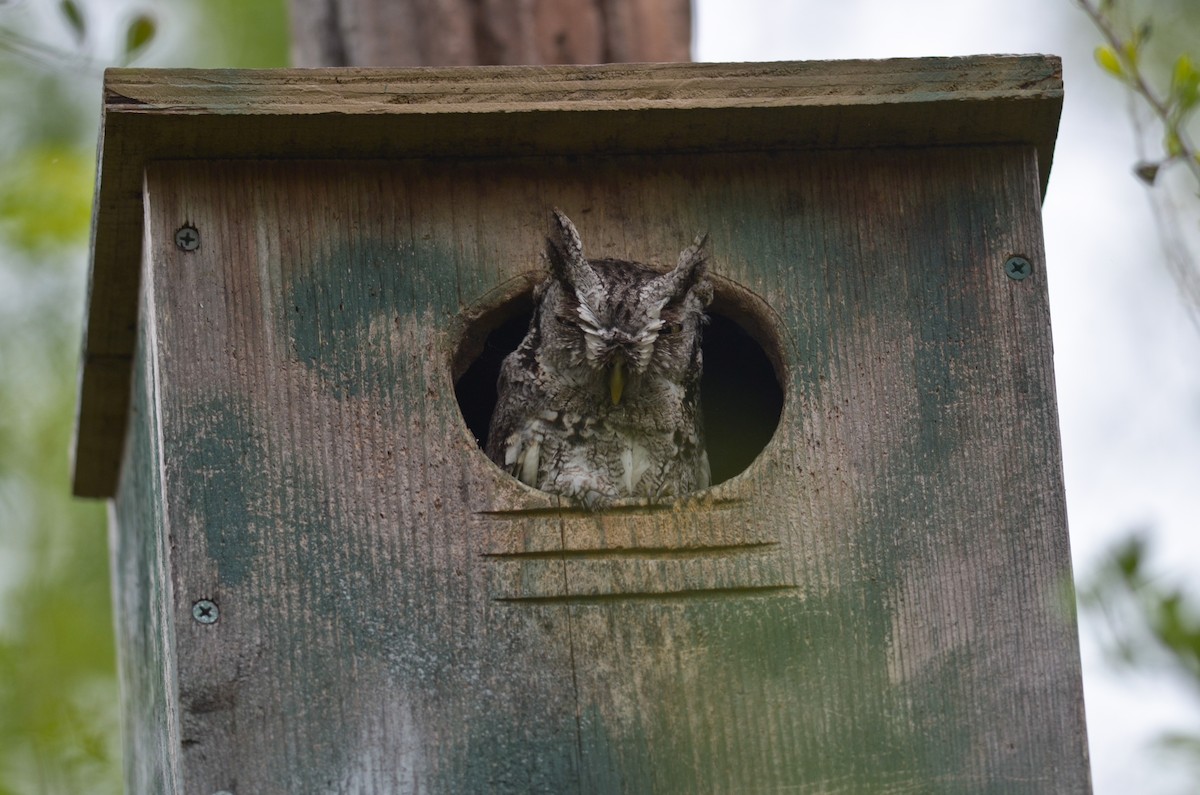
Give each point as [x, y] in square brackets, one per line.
[650, 553]
[601, 534]
[619, 509]
[658, 596]
[595, 575]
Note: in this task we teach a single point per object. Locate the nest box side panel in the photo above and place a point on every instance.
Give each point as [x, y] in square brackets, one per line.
[142, 586]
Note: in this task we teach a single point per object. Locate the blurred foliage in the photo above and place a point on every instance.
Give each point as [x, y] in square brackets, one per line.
[1153, 626]
[1153, 48]
[59, 721]
[45, 198]
[1159, 67]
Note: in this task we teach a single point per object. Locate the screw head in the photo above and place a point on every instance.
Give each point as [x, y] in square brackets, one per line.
[1018, 268]
[187, 238]
[205, 611]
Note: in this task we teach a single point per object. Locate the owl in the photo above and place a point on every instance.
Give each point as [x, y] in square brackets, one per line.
[601, 400]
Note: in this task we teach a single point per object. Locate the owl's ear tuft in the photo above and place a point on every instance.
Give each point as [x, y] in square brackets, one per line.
[564, 254]
[693, 260]
[688, 274]
[564, 248]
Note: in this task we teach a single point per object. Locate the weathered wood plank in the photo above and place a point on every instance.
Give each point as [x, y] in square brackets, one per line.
[141, 572]
[255, 92]
[873, 606]
[509, 111]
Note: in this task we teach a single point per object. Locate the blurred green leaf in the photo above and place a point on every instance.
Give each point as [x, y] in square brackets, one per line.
[75, 19]
[1108, 59]
[138, 34]
[1173, 143]
[1129, 556]
[1132, 51]
[1185, 84]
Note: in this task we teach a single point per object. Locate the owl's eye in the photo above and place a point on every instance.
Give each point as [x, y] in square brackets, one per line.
[671, 328]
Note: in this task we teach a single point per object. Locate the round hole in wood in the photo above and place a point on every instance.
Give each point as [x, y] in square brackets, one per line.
[741, 393]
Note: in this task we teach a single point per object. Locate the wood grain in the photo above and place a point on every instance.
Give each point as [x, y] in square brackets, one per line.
[144, 620]
[152, 115]
[875, 605]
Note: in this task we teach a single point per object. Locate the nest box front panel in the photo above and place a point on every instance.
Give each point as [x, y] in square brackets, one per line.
[870, 599]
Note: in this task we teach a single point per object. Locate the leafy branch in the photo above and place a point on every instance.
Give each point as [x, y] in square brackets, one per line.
[1125, 56]
[1121, 56]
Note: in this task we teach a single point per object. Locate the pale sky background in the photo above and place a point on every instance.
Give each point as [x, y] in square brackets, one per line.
[1125, 348]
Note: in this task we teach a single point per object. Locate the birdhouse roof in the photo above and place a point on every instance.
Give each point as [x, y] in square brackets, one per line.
[351, 113]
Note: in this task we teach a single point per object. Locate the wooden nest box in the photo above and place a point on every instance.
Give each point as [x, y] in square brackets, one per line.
[302, 284]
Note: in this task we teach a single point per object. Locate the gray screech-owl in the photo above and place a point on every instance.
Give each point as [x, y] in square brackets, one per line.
[601, 400]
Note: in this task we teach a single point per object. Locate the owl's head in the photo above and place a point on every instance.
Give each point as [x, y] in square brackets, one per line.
[618, 320]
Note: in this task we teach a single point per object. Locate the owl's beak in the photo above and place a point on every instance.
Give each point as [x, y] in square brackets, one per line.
[616, 380]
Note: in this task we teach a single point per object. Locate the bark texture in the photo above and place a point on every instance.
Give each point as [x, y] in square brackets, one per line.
[488, 32]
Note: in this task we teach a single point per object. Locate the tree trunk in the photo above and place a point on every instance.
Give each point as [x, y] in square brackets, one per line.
[481, 32]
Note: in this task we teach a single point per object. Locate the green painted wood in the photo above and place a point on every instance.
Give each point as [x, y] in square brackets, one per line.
[186, 114]
[875, 605]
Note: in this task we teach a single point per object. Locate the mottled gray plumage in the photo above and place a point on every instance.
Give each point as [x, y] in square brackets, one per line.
[601, 400]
